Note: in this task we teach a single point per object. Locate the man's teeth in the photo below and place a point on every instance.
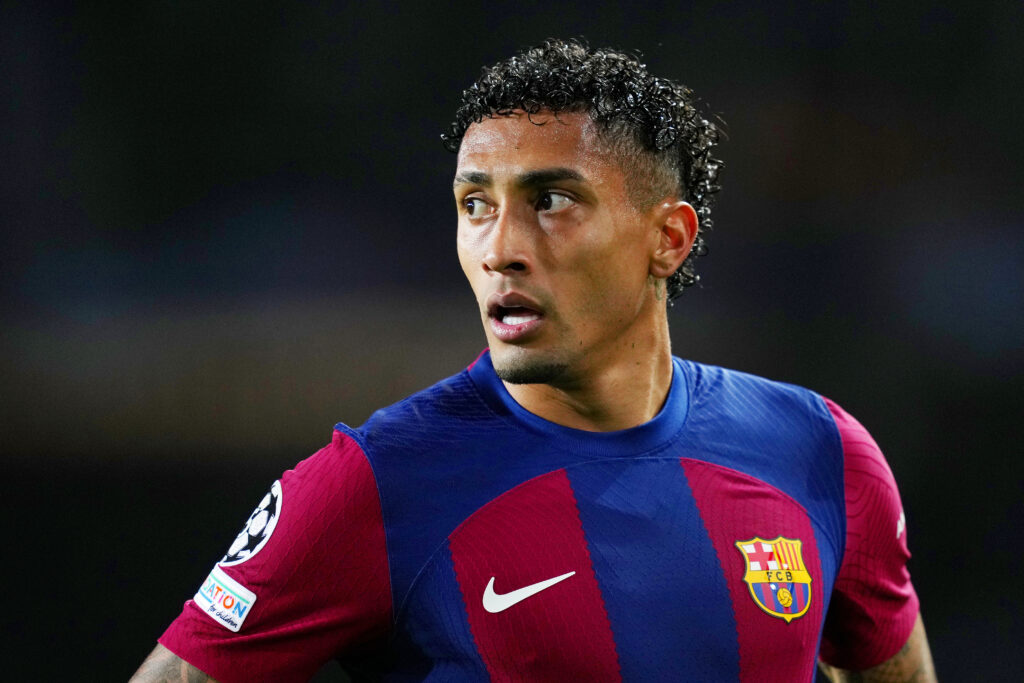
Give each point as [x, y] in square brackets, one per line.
[519, 318]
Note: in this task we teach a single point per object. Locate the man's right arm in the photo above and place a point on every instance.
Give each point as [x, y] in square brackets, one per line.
[163, 666]
[270, 616]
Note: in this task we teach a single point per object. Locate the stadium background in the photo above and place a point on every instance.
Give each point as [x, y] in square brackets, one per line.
[226, 228]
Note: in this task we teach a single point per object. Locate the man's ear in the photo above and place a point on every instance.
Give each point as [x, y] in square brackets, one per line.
[677, 231]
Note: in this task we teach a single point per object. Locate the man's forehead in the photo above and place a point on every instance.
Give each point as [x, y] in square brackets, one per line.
[517, 142]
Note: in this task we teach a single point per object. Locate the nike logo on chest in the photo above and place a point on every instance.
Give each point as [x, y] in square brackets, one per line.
[499, 602]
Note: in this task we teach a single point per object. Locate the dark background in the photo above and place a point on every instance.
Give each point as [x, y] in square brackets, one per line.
[226, 227]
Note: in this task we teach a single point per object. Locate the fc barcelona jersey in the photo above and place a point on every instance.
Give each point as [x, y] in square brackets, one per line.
[748, 529]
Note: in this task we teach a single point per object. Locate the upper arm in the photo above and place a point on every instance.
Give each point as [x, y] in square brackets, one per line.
[911, 664]
[306, 582]
[873, 607]
[163, 666]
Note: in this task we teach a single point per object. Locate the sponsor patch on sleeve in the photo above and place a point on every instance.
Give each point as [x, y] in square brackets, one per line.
[225, 600]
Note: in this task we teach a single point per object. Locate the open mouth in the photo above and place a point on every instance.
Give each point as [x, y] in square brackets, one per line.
[515, 315]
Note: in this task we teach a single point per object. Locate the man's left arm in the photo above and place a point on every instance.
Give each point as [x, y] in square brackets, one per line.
[873, 629]
[912, 664]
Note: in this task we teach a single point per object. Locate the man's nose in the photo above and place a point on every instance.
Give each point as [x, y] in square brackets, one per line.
[508, 244]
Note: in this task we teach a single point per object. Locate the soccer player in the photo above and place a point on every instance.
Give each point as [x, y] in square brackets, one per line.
[578, 504]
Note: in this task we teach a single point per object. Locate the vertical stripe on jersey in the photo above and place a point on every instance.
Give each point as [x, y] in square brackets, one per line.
[736, 507]
[656, 566]
[439, 641]
[525, 536]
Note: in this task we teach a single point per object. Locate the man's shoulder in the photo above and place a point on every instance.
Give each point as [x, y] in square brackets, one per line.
[442, 409]
[716, 382]
[733, 401]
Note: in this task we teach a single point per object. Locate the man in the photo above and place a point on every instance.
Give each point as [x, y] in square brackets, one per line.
[577, 504]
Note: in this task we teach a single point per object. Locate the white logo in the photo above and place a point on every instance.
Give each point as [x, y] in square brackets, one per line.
[257, 529]
[494, 603]
[225, 600]
[901, 525]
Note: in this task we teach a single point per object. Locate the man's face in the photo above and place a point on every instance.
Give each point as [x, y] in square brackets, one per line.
[557, 255]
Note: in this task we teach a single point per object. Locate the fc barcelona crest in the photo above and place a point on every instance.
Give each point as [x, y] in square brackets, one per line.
[776, 575]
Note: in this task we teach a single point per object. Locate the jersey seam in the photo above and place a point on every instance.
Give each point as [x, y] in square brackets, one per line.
[837, 444]
[444, 542]
[364, 448]
[751, 478]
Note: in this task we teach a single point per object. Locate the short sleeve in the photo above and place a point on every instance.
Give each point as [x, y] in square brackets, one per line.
[306, 580]
[873, 606]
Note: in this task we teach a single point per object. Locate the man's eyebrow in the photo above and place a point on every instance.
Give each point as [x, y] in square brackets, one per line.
[545, 176]
[473, 178]
[537, 178]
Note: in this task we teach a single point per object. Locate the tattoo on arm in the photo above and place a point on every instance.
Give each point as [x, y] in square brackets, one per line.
[912, 664]
[163, 666]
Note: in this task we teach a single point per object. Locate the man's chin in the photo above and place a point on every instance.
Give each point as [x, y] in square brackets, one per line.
[519, 368]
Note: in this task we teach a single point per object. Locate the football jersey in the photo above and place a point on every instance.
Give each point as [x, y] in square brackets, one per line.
[746, 530]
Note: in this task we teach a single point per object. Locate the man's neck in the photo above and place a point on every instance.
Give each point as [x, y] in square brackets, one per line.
[621, 394]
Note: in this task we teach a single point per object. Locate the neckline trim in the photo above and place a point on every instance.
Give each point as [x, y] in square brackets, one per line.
[645, 437]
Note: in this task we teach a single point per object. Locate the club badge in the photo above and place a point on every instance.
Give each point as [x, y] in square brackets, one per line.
[776, 575]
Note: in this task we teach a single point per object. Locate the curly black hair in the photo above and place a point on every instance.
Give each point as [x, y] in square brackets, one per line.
[652, 123]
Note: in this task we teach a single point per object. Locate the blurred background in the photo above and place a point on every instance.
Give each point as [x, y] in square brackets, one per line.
[226, 226]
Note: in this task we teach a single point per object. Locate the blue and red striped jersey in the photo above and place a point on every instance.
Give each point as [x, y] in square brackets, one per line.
[748, 527]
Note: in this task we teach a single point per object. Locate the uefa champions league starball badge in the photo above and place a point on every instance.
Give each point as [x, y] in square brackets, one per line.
[257, 529]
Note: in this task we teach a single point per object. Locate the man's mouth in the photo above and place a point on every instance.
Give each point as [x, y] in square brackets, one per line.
[513, 317]
[516, 315]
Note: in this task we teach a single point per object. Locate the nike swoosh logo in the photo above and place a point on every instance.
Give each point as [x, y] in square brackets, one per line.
[495, 602]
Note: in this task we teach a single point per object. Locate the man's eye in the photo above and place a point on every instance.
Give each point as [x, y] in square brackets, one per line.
[553, 201]
[475, 207]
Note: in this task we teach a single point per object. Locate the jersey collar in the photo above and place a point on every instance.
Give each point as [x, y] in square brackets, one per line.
[646, 437]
